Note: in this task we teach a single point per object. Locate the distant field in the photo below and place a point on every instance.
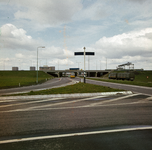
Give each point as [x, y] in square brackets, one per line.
[142, 78]
[10, 79]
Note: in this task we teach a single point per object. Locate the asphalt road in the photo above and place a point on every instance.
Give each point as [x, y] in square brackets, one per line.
[57, 82]
[118, 122]
[133, 88]
[47, 85]
[113, 122]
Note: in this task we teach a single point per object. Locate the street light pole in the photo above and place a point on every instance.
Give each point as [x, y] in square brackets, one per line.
[84, 65]
[37, 62]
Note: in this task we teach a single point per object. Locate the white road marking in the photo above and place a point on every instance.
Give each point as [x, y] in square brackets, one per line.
[75, 134]
[5, 101]
[116, 99]
[31, 102]
[85, 106]
[77, 107]
[149, 98]
[49, 105]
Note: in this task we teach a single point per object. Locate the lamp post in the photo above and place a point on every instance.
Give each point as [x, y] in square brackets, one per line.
[37, 61]
[84, 65]
[78, 63]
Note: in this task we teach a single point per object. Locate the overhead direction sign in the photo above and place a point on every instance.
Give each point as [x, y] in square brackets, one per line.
[78, 53]
[89, 53]
[82, 53]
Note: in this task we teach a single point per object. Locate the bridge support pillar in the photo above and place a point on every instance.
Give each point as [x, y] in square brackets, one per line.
[58, 74]
[96, 74]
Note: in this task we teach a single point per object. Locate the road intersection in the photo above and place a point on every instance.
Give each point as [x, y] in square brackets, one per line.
[76, 122]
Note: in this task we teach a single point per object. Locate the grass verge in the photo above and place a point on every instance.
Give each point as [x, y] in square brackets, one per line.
[9, 79]
[76, 88]
[142, 78]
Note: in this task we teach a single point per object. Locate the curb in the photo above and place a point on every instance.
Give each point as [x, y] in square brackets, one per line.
[76, 95]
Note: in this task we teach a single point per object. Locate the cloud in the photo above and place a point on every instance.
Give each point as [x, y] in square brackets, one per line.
[16, 38]
[61, 62]
[96, 11]
[126, 44]
[19, 55]
[137, 0]
[52, 12]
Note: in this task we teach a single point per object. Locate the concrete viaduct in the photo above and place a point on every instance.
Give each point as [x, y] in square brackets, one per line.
[89, 73]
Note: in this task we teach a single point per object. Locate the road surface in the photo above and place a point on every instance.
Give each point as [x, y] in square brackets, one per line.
[133, 88]
[114, 122]
[56, 82]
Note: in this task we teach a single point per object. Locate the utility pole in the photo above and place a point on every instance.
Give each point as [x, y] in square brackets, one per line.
[37, 62]
[106, 63]
[78, 63]
[88, 66]
[84, 65]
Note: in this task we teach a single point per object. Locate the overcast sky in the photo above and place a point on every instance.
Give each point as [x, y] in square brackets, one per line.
[118, 31]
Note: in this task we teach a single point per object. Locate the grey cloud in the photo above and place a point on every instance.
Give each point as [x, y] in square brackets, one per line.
[49, 11]
[137, 0]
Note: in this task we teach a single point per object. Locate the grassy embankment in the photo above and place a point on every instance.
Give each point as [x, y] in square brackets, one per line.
[13, 78]
[140, 79]
[9, 79]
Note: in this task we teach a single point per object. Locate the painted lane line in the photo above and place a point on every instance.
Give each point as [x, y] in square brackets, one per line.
[31, 102]
[143, 94]
[149, 98]
[62, 103]
[75, 134]
[49, 105]
[5, 101]
[87, 106]
[116, 99]
[79, 107]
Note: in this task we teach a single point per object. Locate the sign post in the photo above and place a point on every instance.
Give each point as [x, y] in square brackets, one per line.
[84, 53]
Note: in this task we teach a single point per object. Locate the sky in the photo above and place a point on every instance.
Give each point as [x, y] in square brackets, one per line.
[118, 31]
